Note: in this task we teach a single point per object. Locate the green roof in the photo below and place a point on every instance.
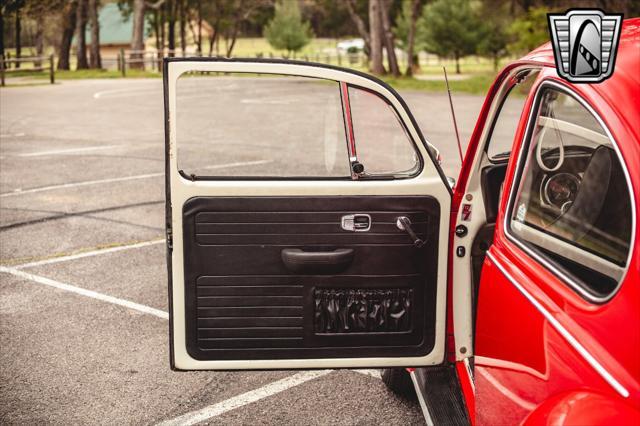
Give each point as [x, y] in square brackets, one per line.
[114, 27]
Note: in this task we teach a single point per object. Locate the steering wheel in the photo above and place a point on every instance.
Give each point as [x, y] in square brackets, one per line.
[581, 215]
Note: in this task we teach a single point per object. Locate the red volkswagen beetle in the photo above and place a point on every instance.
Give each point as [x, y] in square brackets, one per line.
[514, 297]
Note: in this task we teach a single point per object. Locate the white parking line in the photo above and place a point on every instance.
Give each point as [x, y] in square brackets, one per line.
[88, 254]
[126, 92]
[68, 151]
[198, 415]
[84, 292]
[369, 372]
[76, 184]
[121, 179]
[245, 398]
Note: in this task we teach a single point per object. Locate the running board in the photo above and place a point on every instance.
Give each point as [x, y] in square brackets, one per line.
[440, 396]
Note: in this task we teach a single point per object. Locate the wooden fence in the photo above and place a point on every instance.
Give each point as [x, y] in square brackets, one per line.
[39, 65]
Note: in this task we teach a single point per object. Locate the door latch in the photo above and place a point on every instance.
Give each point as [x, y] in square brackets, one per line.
[356, 222]
[404, 224]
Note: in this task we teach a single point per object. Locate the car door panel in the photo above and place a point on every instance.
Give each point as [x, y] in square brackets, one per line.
[235, 278]
[263, 275]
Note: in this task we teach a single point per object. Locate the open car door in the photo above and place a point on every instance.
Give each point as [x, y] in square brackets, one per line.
[307, 222]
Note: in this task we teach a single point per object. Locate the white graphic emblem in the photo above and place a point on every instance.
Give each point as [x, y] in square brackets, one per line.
[585, 44]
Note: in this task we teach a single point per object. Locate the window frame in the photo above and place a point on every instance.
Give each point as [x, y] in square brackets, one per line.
[542, 259]
[352, 177]
[511, 85]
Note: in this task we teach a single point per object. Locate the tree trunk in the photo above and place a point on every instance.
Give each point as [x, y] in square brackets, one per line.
[375, 34]
[172, 27]
[234, 33]
[183, 32]
[39, 40]
[68, 28]
[137, 36]
[1, 34]
[18, 41]
[95, 61]
[457, 63]
[388, 38]
[81, 42]
[411, 42]
[360, 26]
[199, 38]
[214, 36]
[162, 34]
[156, 28]
[496, 61]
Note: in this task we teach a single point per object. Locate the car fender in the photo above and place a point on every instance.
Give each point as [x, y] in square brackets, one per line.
[583, 407]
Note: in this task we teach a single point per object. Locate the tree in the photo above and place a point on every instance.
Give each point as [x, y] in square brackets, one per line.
[287, 31]
[494, 35]
[375, 36]
[388, 37]
[17, 6]
[529, 30]
[450, 28]
[243, 11]
[137, 35]
[360, 25]
[405, 30]
[81, 29]
[68, 28]
[95, 61]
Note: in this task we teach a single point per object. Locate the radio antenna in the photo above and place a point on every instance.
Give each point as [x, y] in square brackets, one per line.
[453, 114]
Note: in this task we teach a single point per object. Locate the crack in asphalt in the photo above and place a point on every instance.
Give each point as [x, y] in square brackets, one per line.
[86, 214]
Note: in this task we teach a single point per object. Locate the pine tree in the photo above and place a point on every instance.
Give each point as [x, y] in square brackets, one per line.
[287, 31]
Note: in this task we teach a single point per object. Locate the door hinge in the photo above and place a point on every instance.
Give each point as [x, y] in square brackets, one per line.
[169, 239]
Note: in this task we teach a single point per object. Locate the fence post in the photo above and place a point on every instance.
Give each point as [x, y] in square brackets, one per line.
[2, 70]
[52, 76]
[123, 63]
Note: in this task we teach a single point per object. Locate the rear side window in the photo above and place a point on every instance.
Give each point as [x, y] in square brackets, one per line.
[277, 126]
[573, 203]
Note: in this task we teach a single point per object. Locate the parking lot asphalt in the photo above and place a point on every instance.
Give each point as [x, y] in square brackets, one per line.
[83, 293]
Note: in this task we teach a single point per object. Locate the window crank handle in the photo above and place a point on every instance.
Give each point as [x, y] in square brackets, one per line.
[404, 224]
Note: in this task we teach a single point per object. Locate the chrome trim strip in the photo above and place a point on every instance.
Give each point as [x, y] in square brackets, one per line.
[423, 405]
[512, 192]
[594, 363]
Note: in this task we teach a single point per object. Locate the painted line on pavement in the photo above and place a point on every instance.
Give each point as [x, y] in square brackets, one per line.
[220, 408]
[68, 151]
[91, 253]
[87, 293]
[121, 179]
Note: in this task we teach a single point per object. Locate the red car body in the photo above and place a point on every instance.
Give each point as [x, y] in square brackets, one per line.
[529, 342]
[544, 354]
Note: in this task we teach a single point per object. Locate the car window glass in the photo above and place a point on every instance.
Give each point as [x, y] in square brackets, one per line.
[507, 119]
[573, 204]
[383, 146]
[260, 126]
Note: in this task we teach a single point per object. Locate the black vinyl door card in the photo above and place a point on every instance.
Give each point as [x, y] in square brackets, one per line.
[280, 277]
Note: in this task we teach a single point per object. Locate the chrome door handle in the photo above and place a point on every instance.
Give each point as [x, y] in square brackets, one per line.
[358, 222]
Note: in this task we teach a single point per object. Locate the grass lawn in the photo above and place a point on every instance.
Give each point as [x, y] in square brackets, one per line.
[479, 71]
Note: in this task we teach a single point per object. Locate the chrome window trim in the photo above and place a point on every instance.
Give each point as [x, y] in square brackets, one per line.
[512, 192]
[570, 338]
